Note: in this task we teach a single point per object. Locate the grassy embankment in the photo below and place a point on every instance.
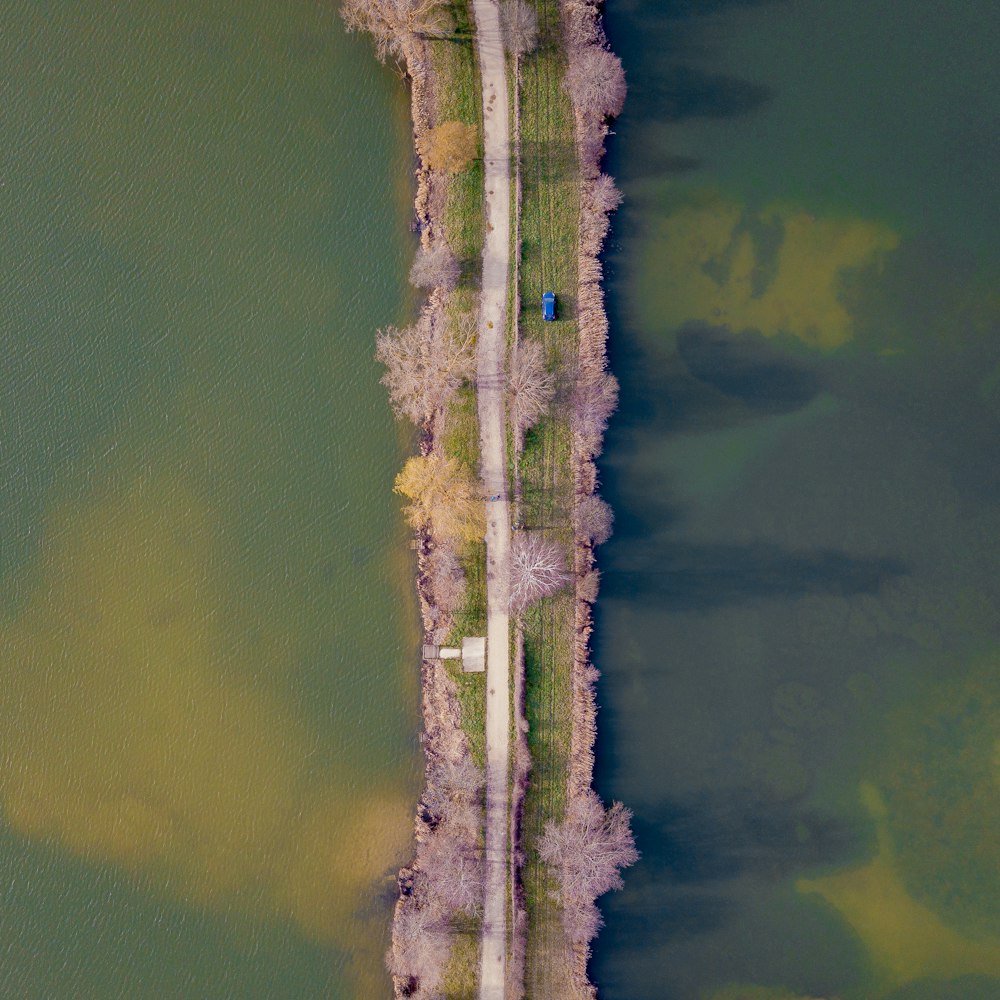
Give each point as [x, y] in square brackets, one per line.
[549, 237]
[458, 98]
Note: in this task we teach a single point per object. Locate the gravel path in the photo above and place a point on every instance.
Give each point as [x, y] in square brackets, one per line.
[492, 423]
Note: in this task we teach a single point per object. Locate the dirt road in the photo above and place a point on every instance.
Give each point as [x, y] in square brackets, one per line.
[492, 423]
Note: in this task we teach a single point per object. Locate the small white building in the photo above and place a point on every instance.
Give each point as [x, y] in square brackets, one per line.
[472, 654]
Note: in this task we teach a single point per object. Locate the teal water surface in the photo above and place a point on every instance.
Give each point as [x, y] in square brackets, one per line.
[798, 627]
[208, 750]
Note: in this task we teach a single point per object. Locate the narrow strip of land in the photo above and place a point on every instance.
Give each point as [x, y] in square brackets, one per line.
[492, 423]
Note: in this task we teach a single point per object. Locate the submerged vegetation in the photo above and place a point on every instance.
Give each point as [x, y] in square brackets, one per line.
[941, 783]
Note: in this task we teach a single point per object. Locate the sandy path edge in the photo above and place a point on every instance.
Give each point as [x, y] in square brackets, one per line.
[492, 429]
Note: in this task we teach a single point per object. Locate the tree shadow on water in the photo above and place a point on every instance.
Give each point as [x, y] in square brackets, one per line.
[681, 576]
[694, 849]
[683, 91]
[747, 367]
[714, 379]
[717, 836]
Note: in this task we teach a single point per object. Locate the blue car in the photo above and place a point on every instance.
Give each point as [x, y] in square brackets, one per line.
[549, 306]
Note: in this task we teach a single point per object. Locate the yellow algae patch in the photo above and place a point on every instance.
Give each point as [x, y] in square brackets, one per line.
[779, 271]
[319, 885]
[907, 941]
[939, 779]
[135, 735]
[743, 992]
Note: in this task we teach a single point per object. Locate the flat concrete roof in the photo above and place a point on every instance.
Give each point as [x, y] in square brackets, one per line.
[474, 654]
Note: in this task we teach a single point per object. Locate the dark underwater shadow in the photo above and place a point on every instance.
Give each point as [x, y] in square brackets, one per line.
[683, 91]
[692, 848]
[714, 379]
[747, 367]
[655, 12]
[678, 576]
[717, 836]
[666, 43]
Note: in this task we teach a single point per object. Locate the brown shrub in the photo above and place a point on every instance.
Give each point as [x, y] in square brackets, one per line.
[594, 519]
[451, 147]
[447, 579]
[453, 792]
[588, 586]
[593, 403]
[582, 921]
[604, 194]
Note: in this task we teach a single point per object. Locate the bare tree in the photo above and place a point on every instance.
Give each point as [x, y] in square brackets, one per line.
[453, 793]
[595, 81]
[451, 146]
[582, 920]
[444, 497]
[530, 385]
[392, 23]
[537, 569]
[594, 519]
[452, 867]
[425, 364]
[593, 404]
[605, 195]
[435, 268]
[519, 21]
[589, 848]
[447, 578]
[421, 944]
[589, 585]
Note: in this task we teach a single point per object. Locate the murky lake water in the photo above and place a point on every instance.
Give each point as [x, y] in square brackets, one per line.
[208, 750]
[798, 626]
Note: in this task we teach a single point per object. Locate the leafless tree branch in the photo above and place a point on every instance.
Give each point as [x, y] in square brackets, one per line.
[595, 81]
[452, 866]
[538, 569]
[519, 21]
[424, 366]
[590, 847]
[530, 385]
[435, 268]
[421, 944]
[391, 23]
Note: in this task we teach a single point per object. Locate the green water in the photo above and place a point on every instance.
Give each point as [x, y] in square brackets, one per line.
[798, 629]
[208, 751]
